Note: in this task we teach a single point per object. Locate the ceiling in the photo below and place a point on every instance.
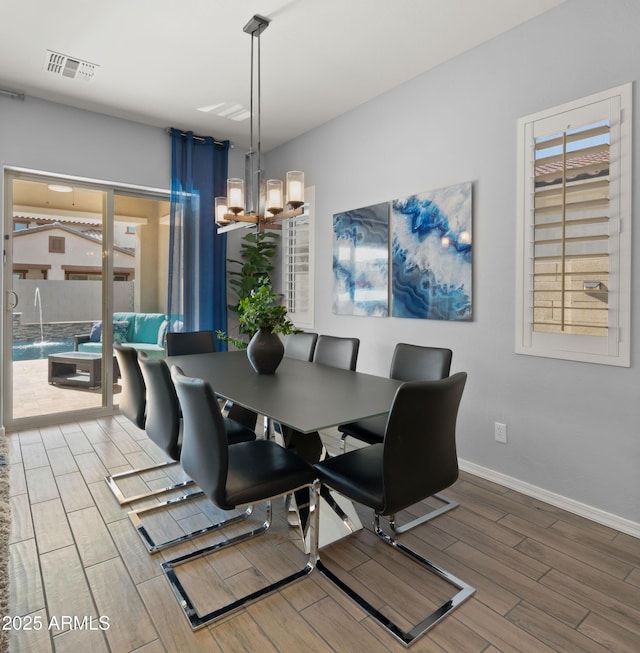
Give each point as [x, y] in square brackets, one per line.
[37, 200]
[158, 61]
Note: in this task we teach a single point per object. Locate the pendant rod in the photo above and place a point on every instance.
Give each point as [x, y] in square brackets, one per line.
[259, 121]
[253, 172]
[242, 204]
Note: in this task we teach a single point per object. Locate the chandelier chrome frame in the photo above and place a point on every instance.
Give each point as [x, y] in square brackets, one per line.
[247, 197]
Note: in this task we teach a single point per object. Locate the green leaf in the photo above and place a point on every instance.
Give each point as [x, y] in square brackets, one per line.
[256, 251]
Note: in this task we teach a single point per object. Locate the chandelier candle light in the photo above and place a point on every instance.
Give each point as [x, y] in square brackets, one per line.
[246, 197]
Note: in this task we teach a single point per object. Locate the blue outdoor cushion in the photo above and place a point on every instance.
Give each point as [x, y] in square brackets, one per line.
[146, 327]
[121, 316]
[96, 332]
[120, 329]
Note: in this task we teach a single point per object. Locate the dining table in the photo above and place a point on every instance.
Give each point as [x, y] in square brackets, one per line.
[307, 397]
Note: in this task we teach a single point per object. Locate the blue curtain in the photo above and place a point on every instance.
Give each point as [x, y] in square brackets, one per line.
[197, 254]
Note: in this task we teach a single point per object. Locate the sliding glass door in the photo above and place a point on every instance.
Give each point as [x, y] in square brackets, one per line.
[75, 254]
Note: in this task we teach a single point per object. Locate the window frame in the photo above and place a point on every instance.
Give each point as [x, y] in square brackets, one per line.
[301, 319]
[613, 349]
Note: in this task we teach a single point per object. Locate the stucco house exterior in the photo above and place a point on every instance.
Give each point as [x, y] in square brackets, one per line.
[56, 250]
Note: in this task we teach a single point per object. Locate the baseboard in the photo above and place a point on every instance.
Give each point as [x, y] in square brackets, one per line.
[582, 509]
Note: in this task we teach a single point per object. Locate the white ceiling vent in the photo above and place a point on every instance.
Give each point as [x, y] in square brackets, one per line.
[66, 66]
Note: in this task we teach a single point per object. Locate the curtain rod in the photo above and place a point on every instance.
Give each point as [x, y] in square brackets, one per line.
[200, 138]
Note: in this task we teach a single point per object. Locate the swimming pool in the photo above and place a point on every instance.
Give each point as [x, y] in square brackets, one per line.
[27, 351]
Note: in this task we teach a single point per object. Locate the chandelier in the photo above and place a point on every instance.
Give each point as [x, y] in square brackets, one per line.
[249, 201]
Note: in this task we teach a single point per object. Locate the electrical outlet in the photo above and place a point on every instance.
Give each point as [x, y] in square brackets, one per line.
[501, 432]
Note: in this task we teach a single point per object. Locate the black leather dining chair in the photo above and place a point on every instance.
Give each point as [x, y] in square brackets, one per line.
[231, 476]
[185, 343]
[133, 393]
[335, 352]
[416, 459]
[300, 346]
[182, 343]
[133, 405]
[164, 427]
[409, 363]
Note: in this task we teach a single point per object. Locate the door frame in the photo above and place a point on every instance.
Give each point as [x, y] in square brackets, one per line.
[7, 421]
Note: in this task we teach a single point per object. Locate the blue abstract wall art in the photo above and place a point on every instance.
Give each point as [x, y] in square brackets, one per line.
[431, 254]
[361, 261]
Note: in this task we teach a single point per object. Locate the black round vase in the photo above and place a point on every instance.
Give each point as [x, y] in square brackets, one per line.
[265, 351]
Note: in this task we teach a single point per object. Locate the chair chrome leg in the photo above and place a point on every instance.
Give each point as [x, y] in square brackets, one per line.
[153, 546]
[112, 482]
[198, 621]
[407, 637]
[450, 504]
[344, 442]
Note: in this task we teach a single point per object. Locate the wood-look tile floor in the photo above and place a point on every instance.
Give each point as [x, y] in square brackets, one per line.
[546, 580]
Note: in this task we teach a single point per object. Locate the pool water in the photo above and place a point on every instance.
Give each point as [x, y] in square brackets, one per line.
[27, 351]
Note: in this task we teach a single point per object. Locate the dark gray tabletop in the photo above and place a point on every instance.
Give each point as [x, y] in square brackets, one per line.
[305, 396]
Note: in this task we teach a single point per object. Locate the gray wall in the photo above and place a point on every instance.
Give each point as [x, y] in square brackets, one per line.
[49, 137]
[573, 427]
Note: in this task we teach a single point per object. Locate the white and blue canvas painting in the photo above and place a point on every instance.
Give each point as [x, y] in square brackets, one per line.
[431, 254]
[361, 261]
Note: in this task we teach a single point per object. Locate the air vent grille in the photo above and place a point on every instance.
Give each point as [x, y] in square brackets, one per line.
[71, 67]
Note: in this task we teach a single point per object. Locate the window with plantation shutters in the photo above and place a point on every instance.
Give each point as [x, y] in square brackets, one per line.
[297, 265]
[571, 226]
[574, 227]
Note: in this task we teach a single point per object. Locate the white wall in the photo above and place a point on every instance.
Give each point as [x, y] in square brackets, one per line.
[78, 250]
[574, 428]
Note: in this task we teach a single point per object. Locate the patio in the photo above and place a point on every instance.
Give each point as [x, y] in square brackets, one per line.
[33, 395]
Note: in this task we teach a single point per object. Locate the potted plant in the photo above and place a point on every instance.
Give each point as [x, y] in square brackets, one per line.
[262, 316]
[256, 261]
